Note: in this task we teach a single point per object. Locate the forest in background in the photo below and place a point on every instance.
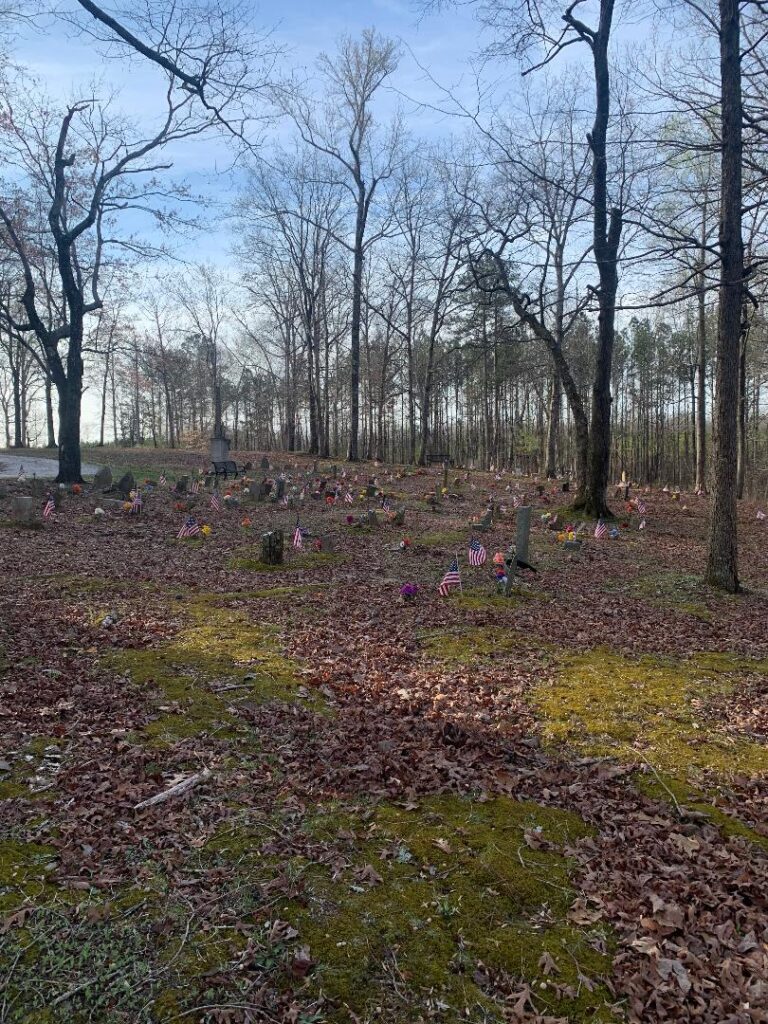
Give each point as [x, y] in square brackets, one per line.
[568, 281]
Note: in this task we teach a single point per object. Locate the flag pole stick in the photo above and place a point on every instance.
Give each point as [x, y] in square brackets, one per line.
[461, 585]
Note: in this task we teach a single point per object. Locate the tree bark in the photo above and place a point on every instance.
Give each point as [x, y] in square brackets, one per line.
[606, 236]
[722, 556]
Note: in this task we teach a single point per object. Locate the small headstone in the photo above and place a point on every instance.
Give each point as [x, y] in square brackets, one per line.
[182, 485]
[279, 488]
[126, 484]
[23, 508]
[272, 547]
[523, 523]
[102, 480]
[264, 463]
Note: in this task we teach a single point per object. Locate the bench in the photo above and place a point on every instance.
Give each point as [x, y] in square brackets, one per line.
[226, 469]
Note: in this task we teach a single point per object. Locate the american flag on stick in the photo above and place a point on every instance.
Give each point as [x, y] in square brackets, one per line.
[642, 508]
[601, 530]
[298, 540]
[195, 487]
[348, 498]
[477, 553]
[161, 481]
[216, 504]
[136, 503]
[189, 529]
[49, 508]
[451, 579]
[386, 507]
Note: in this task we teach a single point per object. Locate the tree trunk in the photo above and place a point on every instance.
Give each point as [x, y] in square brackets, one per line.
[553, 426]
[741, 461]
[70, 466]
[722, 557]
[49, 413]
[357, 298]
[606, 236]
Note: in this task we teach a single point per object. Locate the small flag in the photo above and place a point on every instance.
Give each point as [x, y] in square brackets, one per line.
[451, 579]
[641, 507]
[189, 529]
[601, 529]
[348, 498]
[195, 487]
[161, 481]
[49, 508]
[136, 503]
[216, 504]
[477, 553]
[385, 506]
[761, 515]
[298, 540]
[284, 500]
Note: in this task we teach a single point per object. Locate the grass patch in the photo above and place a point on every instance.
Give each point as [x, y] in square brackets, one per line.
[431, 895]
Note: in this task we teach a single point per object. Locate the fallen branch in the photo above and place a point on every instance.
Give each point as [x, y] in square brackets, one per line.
[178, 790]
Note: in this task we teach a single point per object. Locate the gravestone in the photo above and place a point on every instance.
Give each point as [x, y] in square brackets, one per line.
[370, 491]
[23, 508]
[126, 484]
[182, 485]
[279, 488]
[262, 490]
[522, 535]
[102, 481]
[219, 448]
[272, 547]
[264, 463]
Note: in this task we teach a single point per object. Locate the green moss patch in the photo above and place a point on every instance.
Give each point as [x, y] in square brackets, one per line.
[472, 643]
[221, 656]
[431, 896]
[646, 708]
[26, 768]
[683, 796]
[310, 560]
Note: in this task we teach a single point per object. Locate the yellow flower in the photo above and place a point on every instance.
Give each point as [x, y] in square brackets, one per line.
[205, 530]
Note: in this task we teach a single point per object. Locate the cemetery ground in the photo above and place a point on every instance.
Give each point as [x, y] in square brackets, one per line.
[544, 807]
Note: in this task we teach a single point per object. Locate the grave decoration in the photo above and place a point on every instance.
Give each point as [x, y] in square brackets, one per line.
[408, 592]
[190, 528]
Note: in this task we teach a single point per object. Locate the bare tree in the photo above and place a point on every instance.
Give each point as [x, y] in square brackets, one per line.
[344, 130]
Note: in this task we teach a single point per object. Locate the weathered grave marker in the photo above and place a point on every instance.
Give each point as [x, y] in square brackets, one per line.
[102, 479]
[126, 484]
[23, 508]
[523, 532]
[272, 547]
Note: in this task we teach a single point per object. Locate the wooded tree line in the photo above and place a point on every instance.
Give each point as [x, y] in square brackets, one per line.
[571, 283]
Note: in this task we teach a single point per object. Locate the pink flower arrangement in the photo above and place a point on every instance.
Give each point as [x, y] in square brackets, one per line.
[408, 591]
